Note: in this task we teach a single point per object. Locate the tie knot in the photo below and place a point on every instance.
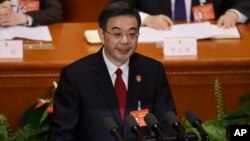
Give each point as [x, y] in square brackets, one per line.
[118, 72]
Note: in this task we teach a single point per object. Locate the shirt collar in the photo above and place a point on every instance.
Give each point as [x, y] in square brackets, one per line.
[112, 68]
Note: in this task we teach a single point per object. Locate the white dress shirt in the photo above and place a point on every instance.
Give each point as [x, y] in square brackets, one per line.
[112, 69]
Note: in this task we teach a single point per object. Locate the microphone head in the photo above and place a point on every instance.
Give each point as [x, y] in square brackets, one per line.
[171, 118]
[192, 117]
[196, 122]
[131, 121]
[110, 124]
[151, 120]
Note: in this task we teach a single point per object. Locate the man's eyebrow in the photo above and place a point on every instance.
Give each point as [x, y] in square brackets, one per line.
[113, 28]
[132, 28]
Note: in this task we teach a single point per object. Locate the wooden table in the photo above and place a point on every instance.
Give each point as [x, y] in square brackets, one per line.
[191, 78]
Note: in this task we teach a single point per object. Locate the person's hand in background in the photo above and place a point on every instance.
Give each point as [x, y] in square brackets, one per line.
[5, 10]
[14, 18]
[160, 22]
[228, 20]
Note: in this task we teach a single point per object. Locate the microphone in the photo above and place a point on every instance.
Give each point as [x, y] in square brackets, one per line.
[175, 123]
[134, 127]
[113, 128]
[153, 124]
[196, 122]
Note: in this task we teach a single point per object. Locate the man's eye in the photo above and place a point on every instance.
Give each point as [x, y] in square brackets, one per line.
[117, 34]
[132, 34]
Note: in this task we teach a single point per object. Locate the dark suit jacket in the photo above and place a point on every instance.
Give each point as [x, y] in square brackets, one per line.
[50, 12]
[155, 7]
[85, 96]
[243, 6]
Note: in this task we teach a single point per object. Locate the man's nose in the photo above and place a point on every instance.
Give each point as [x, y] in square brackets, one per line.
[124, 38]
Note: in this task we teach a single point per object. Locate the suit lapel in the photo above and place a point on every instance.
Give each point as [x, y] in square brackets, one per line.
[134, 87]
[106, 87]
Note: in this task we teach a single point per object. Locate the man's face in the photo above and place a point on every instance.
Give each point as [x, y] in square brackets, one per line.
[120, 38]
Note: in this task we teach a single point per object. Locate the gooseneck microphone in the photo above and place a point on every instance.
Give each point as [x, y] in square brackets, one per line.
[153, 124]
[196, 122]
[134, 127]
[175, 123]
[113, 128]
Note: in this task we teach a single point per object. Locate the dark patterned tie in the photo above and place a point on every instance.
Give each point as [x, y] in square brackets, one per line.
[180, 10]
[121, 92]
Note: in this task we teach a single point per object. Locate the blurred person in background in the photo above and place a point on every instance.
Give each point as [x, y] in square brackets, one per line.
[160, 14]
[30, 13]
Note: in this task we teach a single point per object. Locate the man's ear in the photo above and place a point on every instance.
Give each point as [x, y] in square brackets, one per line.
[101, 35]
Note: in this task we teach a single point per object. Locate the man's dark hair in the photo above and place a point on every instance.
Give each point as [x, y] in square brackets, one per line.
[117, 9]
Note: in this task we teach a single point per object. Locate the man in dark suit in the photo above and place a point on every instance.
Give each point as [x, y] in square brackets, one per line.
[159, 14]
[50, 11]
[87, 92]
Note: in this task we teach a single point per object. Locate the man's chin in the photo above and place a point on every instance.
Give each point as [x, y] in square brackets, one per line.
[123, 58]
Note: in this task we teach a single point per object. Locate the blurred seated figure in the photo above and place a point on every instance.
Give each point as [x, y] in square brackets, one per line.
[161, 14]
[30, 12]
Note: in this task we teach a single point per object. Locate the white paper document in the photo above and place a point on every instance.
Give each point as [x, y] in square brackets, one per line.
[221, 33]
[202, 30]
[40, 33]
[92, 36]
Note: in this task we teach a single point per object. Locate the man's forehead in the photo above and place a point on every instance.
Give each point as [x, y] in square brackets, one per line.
[122, 21]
